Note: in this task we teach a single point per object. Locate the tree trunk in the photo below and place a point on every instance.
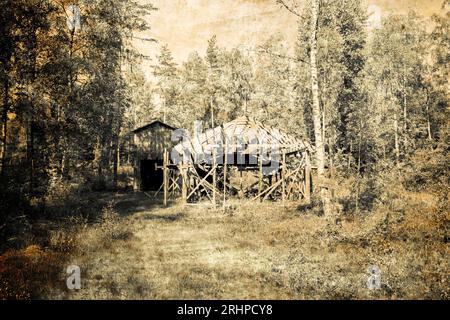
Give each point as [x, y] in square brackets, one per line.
[164, 111]
[350, 156]
[32, 110]
[212, 111]
[99, 159]
[5, 125]
[115, 160]
[322, 108]
[318, 132]
[100, 168]
[72, 35]
[31, 151]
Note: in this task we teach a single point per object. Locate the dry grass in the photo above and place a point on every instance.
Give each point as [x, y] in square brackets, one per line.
[130, 247]
[259, 250]
[29, 273]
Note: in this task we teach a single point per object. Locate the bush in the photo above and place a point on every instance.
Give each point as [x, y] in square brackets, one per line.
[315, 206]
[112, 226]
[428, 169]
[364, 192]
[26, 274]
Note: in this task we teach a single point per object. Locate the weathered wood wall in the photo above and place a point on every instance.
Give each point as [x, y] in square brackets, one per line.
[149, 144]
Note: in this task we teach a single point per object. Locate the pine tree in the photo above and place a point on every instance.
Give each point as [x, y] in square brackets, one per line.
[167, 74]
[214, 71]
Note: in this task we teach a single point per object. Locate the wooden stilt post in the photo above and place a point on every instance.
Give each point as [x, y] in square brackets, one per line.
[283, 182]
[260, 186]
[165, 174]
[214, 177]
[225, 162]
[184, 179]
[274, 186]
[307, 178]
[241, 184]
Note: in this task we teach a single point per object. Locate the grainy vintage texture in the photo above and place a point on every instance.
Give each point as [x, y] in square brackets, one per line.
[224, 149]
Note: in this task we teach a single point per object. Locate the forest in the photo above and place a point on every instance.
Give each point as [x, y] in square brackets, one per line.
[373, 101]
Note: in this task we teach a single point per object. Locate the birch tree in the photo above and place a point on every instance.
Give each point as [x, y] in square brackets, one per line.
[316, 109]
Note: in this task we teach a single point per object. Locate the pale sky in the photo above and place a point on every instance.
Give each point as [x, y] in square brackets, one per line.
[186, 25]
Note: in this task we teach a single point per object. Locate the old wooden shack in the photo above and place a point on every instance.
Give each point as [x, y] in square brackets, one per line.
[275, 164]
[149, 143]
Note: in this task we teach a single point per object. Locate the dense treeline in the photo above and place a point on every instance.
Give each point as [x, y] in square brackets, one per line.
[64, 91]
[383, 91]
[373, 101]
[68, 96]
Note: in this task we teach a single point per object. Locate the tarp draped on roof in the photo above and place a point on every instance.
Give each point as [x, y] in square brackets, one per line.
[243, 135]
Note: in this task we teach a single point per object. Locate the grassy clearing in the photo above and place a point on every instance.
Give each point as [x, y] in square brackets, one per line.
[140, 250]
[130, 247]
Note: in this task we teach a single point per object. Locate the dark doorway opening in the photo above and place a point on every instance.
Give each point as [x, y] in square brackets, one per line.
[151, 178]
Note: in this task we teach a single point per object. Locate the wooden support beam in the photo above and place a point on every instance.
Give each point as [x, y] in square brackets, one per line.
[173, 184]
[283, 178]
[214, 177]
[165, 178]
[278, 183]
[184, 180]
[225, 160]
[201, 181]
[271, 188]
[206, 186]
[290, 186]
[293, 185]
[260, 185]
[159, 189]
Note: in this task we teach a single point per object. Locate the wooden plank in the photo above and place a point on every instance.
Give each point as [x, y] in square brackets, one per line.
[278, 183]
[225, 172]
[206, 186]
[291, 184]
[201, 181]
[183, 180]
[159, 189]
[214, 177]
[271, 188]
[283, 178]
[165, 177]
[260, 186]
[289, 190]
[173, 184]
[145, 193]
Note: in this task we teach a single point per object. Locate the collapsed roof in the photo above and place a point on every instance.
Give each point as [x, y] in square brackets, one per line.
[242, 135]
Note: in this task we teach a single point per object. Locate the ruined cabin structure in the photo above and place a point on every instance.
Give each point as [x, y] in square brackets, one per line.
[149, 143]
[241, 158]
